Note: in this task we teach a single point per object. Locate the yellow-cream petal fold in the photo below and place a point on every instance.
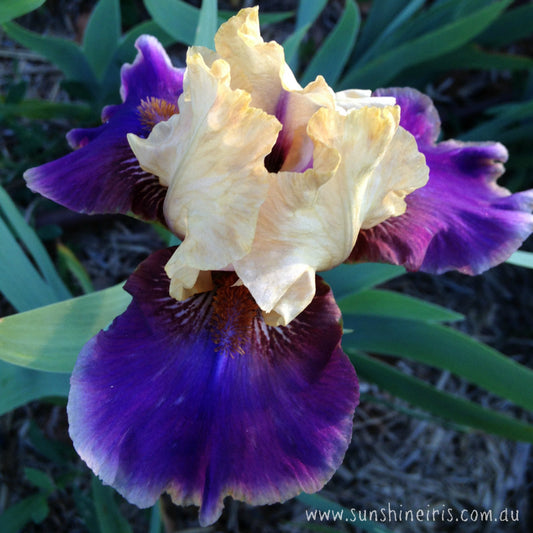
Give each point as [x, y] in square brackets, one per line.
[310, 221]
[257, 67]
[211, 156]
[401, 171]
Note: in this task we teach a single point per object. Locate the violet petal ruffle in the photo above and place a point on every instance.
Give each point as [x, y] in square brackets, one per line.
[102, 175]
[461, 220]
[159, 402]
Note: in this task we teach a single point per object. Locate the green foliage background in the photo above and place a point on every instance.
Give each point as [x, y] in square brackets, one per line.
[396, 43]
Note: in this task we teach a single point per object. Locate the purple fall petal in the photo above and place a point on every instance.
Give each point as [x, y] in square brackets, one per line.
[201, 399]
[461, 220]
[103, 175]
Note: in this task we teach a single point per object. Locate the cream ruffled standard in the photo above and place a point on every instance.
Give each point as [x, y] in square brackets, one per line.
[346, 165]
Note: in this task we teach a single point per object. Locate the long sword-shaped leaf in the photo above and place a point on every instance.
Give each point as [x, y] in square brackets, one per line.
[521, 258]
[20, 282]
[381, 69]
[308, 11]
[409, 25]
[504, 117]
[438, 402]
[34, 246]
[156, 523]
[350, 279]
[291, 46]
[392, 304]
[10, 9]
[39, 339]
[445, 348]
[110, 519]
[45, 110]
[207, 24]
[102, 35]
[19, 385]
[471, 56]
[177, 18]
[383, 17]
[332, 56]
[65, 54]
[70, 262]
[31, 509]
[126, 51]
[513, 25]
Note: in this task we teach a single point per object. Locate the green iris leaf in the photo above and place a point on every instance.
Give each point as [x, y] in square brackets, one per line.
[39, 339]
[444, 348]
[10, 9]
[437, 402]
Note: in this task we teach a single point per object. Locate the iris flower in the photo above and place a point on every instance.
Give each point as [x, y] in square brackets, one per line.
[225, 375]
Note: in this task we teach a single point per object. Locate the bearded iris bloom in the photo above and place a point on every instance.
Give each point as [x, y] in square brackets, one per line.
[225, 375]
[102, 174]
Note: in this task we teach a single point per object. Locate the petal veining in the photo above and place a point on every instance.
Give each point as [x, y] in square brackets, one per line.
[102, 175]
[461, 220]
[159, 403]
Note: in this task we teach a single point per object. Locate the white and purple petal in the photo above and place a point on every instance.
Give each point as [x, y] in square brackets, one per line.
[102, 175]
[201, 399]
[461, 220]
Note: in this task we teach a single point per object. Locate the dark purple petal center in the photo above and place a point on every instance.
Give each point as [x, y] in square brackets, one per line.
[202, 399]
[234, 313]
[294, 151]
[275, 159]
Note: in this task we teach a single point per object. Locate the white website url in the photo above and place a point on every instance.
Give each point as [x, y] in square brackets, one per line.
[399, 514]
